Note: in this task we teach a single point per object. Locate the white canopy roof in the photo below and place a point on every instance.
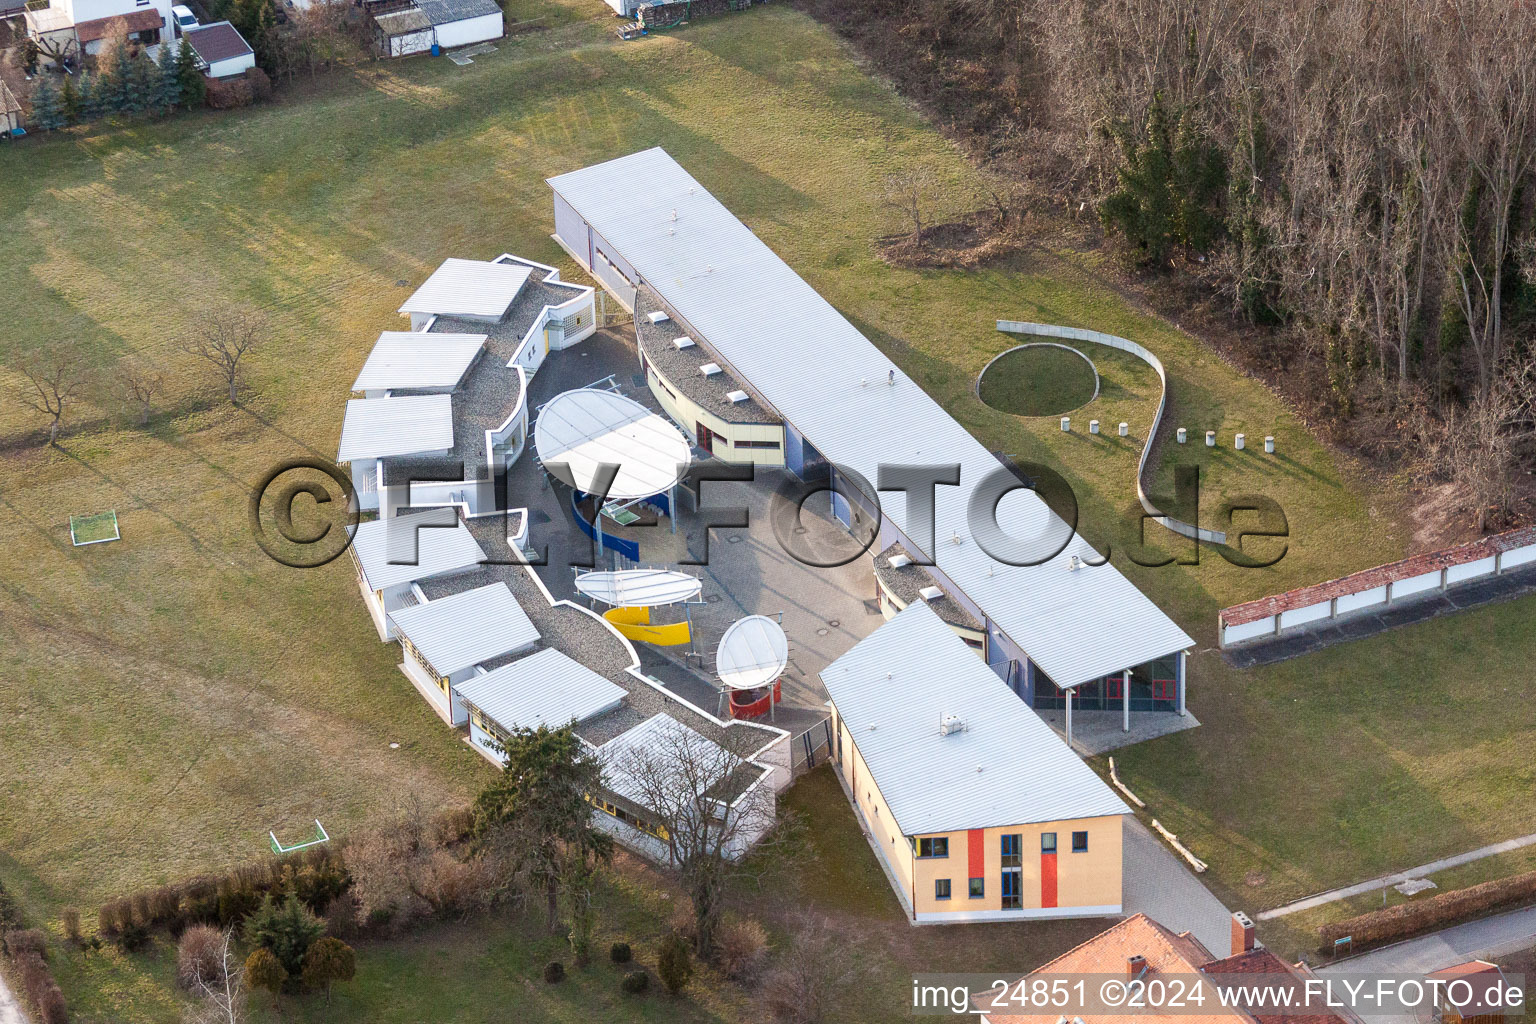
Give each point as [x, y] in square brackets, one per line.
[775, 332]
[1005, 767]
[639, 588]
[377, 428]
[752, 653]
[475, 289]
[415, 359]
[415, 546]
[588, 427]
[547, 688]
[466, 628]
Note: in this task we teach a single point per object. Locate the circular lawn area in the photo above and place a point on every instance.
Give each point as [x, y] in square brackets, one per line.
[1038, 380]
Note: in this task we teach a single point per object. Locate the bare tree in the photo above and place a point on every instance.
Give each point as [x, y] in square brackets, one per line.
[912, 194]
[52, 380]
[225, 341]
[1481, 447]
[140, 384]
[223, 996]
[814, 974]
[708, 801]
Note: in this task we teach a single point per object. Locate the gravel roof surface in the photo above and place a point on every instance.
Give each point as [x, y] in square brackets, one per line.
[907, 581]
[680, 367]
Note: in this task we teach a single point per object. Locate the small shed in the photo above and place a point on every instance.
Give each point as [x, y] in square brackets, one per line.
[402, 33]
[462, 22]
[221, 49]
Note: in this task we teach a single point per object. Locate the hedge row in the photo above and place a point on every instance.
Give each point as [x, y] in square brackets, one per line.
[1407, 919]
[28, 950]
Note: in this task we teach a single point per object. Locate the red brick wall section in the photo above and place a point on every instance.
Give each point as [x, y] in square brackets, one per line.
[1368, 579]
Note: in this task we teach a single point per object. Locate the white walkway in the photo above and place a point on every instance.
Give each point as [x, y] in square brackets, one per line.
[1377, 884]
[10, 1008]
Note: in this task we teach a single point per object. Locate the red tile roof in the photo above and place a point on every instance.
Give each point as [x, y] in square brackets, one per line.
[134, 21]
[1264, 962]
[1369, 579]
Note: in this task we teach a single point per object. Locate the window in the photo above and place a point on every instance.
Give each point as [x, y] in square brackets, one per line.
[941, 889]
[978, 888]
[1013, 898]
[1012, 849]
[937, 847]
[1079, 842]
[757, 444]
[1047, 842]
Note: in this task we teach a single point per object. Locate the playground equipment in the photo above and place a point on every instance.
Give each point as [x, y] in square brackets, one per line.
[318, 836]
[632, 593]
[751, 657]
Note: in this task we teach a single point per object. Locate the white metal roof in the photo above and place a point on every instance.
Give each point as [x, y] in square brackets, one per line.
[588, 427]
[380, 427]
[547, 688]
[752, 653]
[415, 546]
[466, 628]
[891, 691]
[639, 588]
[416, 359]
[831, 383]
[673, 746]
[469, 288]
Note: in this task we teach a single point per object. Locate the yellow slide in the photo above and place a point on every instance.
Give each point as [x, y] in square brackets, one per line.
[635, 623]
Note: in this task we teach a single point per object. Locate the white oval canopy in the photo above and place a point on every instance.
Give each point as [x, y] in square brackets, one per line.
[639, 588]
[580, 430]
[753, 653]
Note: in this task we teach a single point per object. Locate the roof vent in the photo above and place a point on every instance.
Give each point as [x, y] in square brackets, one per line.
[891, 380]
[737, 396]
[709, 369]
[682, 343]
[658, 317]
[1075, 564]
[951, 724]
[900, 561]
[932, 593]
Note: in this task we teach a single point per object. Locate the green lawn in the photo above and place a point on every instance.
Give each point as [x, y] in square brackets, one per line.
[170, 697]
[1040, 380]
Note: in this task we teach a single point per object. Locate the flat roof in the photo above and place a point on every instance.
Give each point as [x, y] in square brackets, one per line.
[827, 380]
[466, 628]
[1005, 767]
[414, 547]
[381, 427]
[546, 688]
[415, 359]
[589, 427]
[469, 288]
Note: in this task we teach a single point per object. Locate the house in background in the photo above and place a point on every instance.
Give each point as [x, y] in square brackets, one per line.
[404, 32]
[89, 22]
[978, 809]
[10, 111]
[1140, 948]
[221, 50]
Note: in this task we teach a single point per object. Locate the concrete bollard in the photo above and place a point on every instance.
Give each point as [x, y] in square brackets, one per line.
[1239, 441]
[1066, 424]
[1183, 435]
[1125, 429]
[1210, 439]
[1269, 446]
[1093, 426]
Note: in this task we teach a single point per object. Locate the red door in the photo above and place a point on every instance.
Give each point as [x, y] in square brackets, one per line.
[1048, 869]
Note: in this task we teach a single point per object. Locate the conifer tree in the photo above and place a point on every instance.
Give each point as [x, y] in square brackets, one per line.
[193, 86]
[167, 81]
[47, 109]
[69, 98]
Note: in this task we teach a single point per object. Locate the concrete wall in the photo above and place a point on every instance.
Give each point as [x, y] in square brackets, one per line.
[687, 413]
[471, 30]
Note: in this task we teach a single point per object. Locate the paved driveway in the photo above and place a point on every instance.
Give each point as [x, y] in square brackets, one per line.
[1160, 885]
[1490, 938]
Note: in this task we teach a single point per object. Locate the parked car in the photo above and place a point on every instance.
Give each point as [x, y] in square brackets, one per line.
[182, 19]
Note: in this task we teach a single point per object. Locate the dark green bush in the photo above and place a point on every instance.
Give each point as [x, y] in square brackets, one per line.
[674, 964]
[620, 953]
[635, 982]
[554, 972]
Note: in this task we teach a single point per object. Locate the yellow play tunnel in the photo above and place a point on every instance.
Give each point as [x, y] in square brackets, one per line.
[635, 623]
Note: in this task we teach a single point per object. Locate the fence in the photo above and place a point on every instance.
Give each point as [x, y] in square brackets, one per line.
[813, 746]
[1377, 588]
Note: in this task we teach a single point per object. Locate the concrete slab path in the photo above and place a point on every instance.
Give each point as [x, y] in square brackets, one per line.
[1377, 884]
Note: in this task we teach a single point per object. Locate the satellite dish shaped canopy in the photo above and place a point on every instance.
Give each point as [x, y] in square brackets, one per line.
[639, 588]
[753, 653]
[580, 431]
